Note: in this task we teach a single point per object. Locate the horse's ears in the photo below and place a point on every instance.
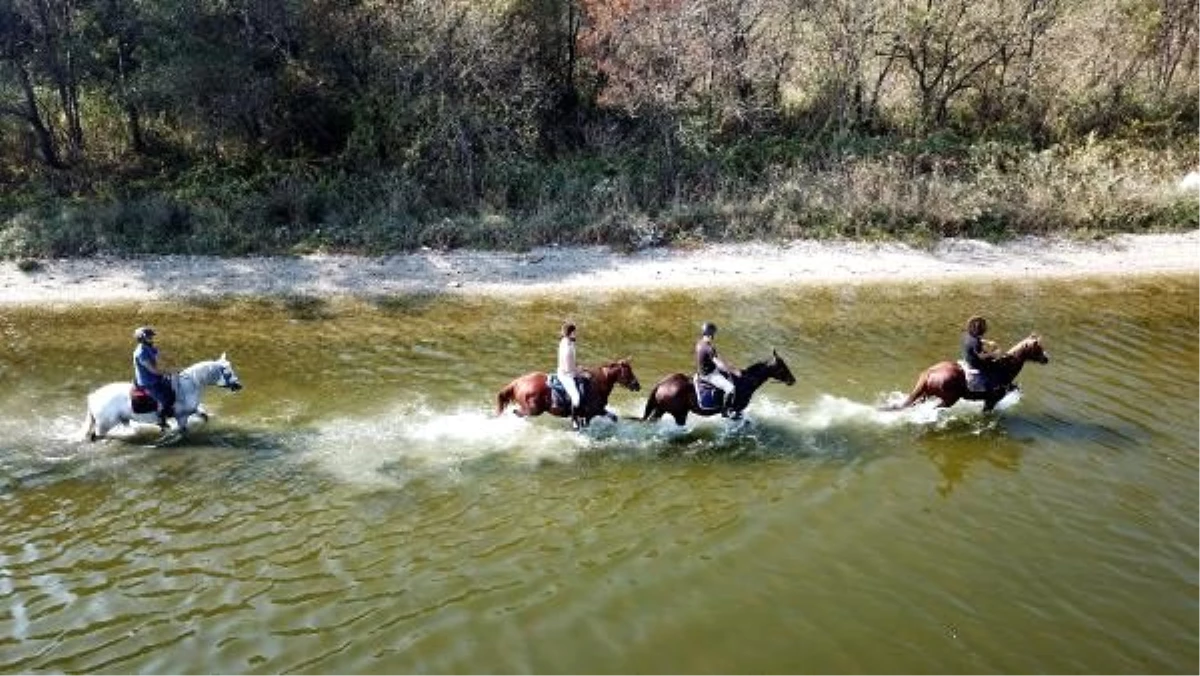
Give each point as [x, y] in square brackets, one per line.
[223, 357]
[774, 353]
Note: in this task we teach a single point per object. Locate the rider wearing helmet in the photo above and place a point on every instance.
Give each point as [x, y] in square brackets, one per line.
[712, 369]
[148, 375]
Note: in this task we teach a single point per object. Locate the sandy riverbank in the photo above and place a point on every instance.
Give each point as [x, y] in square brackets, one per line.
[577, 270]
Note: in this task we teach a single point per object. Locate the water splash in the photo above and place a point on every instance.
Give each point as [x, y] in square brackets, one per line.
[408, 440]
[411, 440]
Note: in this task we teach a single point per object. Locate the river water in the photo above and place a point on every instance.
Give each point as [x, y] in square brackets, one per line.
[360, 508]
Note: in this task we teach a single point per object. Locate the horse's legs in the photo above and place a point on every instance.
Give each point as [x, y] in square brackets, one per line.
[989, 403]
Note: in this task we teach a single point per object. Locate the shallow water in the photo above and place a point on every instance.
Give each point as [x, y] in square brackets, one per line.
[359, 508]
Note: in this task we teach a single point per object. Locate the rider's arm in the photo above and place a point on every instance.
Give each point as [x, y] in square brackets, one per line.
[726, 367]
[976, 350]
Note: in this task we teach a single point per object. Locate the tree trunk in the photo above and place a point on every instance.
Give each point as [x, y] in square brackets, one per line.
[34, 117]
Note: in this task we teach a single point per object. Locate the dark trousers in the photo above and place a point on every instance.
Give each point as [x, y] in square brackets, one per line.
[163, 394]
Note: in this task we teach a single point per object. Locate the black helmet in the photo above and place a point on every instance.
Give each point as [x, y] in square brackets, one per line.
[708, 329]
[143, 333]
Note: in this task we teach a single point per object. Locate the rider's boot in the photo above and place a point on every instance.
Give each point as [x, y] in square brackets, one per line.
[165, 414]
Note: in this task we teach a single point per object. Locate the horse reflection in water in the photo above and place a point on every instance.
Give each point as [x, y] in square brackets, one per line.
[112, 404]
[675, 395]
[947, 381]
[531, 394]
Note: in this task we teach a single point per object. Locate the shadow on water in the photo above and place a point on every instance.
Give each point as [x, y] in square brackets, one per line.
[1001, 440]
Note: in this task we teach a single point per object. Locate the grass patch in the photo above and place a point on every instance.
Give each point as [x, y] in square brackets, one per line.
[759, 189]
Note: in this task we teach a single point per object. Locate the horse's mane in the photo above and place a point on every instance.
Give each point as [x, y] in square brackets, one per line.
[1017, 352]
[594, 371]
[1023, 345]
[756, 367]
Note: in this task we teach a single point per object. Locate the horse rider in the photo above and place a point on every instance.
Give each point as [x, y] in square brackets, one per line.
[711, 369]
[149, 376]
[977, 353]
[567, 368]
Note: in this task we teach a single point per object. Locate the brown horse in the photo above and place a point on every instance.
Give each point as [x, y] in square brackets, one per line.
[947, 381]
[530, 394]
[676, 394]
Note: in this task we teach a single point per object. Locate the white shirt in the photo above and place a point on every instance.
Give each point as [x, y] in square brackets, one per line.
[566, 356]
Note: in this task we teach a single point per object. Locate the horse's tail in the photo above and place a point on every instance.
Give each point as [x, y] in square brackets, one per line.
[652, 402]
[503, 398]
[918, 392]
[88, 432]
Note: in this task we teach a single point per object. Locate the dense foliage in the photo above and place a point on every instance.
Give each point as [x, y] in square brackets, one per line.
[236, 126]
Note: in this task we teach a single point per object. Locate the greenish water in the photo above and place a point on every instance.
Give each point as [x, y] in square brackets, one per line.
[359, 508]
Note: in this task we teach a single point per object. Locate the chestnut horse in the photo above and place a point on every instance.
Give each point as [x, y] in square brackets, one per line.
[530, 394]
[947, 381]
[676, 394]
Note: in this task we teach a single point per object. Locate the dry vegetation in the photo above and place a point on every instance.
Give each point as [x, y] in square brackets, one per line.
[217, 126]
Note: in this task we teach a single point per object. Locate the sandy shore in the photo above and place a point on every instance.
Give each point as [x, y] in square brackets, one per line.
[555, 270]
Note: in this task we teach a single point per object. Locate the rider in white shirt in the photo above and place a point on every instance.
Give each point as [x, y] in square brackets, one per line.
[567, 369]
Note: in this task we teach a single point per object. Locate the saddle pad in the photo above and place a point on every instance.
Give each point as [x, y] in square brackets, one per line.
[558, 393]
[975, 379]
[707, 396]
[141, 400]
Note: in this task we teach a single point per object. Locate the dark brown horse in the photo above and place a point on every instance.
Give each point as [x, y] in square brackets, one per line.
[947, 381]
[675, 395]
[530, 394]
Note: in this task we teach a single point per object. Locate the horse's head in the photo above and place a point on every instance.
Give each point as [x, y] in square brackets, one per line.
[778, 369]
[226, 376]
[1031, 349]
[625, 375]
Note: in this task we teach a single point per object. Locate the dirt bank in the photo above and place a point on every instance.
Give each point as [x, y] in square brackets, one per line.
[572, 270]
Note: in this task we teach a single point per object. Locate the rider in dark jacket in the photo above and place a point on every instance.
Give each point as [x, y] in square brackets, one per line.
[977, 353]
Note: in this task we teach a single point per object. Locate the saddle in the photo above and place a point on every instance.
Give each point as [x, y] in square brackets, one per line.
[708, 397]
[558, 394]
[142, 400]
[976, 381]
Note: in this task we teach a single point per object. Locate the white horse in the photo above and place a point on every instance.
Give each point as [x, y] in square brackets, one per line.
[111, 405]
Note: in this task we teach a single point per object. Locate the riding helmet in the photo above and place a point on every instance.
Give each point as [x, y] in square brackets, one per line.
[708, 329]
[144, 333]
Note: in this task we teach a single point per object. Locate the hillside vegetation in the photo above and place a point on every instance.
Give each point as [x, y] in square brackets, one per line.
[273, 126]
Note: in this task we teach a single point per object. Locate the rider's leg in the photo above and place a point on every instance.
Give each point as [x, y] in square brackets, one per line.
[572, 388]
[165, 397]
[719, 380]
[573, 394]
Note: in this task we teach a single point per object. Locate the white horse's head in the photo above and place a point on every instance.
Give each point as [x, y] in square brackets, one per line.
[227, 377]
[217, 372]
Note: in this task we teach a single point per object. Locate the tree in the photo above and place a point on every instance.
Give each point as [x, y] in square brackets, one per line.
[946, 44]
[18, 49]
